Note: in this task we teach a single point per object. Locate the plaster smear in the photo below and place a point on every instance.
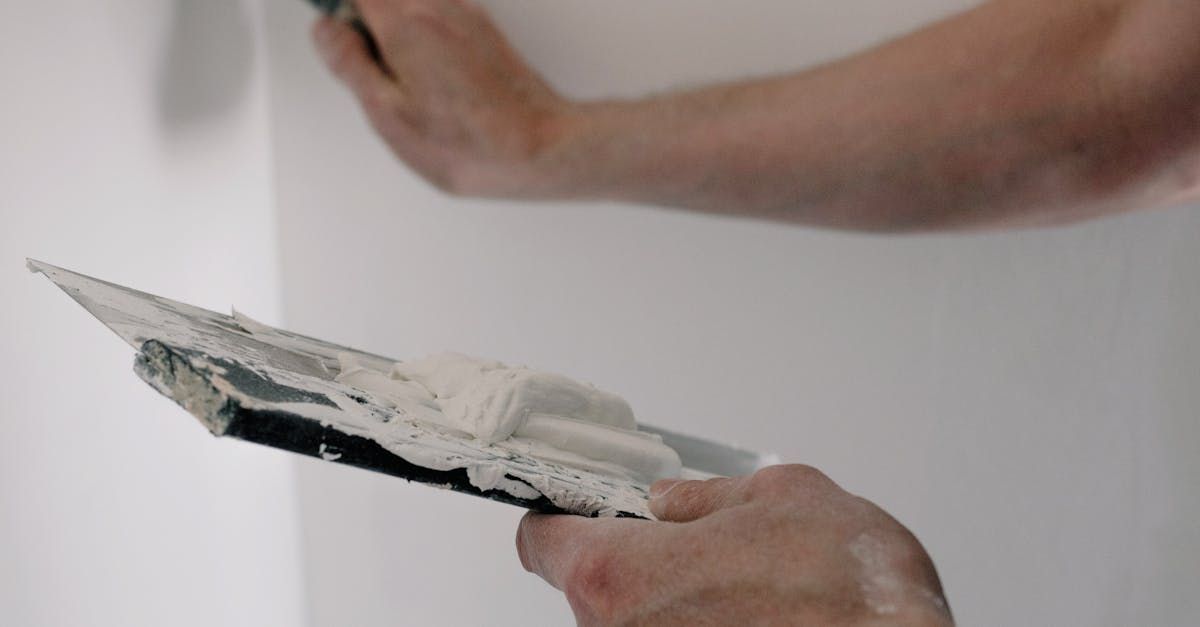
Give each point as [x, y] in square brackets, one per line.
[883, 589]
[518, 409]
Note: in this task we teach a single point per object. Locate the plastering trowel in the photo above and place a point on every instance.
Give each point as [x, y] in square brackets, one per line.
[265, 385]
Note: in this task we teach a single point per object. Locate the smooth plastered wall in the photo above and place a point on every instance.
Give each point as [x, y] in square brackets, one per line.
[1025, 402]
[133, 147]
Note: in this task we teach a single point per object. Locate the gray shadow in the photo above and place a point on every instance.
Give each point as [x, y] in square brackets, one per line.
[207, 63]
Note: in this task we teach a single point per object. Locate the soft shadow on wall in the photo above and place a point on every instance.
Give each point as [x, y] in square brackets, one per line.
[207, 63]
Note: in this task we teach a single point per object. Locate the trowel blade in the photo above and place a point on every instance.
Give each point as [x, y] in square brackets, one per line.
[138, 317]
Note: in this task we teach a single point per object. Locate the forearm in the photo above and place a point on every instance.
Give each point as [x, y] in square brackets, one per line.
[1019, 112]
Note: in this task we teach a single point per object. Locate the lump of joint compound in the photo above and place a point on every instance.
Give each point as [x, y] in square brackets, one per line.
[491, 401]
[542, 411]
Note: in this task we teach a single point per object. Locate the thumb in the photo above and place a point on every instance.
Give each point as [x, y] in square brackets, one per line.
[678, 500]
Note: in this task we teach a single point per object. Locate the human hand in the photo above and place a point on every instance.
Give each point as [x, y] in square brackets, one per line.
[452, 98]
[785, 546]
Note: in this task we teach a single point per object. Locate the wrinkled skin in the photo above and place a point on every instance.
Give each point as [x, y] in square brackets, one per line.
[785, 546]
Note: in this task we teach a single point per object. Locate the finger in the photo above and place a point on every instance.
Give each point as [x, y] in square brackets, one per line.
[551, 545]
[348, 58]
[383, 17]
[675, 500]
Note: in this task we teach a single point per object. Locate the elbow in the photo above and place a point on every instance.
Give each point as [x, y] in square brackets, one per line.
[1146, 133]
[1112, 126]
[1152, 145]
[1179, 151]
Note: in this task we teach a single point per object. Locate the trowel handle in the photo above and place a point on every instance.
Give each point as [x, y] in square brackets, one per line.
[346, 11]
[368, 38]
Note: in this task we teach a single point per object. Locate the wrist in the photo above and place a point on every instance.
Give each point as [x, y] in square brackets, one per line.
[579, 144]
[663, 150]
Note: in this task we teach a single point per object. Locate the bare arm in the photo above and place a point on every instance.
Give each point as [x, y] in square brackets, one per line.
[1018, 112]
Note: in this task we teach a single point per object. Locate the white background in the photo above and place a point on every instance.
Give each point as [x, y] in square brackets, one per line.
[133, 146]
[1026, 403]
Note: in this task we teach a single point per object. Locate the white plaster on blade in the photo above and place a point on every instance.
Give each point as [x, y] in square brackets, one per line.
[208, 342]
[326, 454]
[556, 417]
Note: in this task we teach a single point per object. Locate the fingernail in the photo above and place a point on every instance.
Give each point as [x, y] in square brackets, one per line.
[661, 487]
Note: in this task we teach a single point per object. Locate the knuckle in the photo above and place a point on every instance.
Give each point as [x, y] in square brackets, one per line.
[909, 554]
[772, 479]
[905, 553]
[866, 510]
[808, 474]
[779, 479]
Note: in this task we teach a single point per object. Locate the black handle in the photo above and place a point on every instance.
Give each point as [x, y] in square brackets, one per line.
[346, 11]
[368, 39]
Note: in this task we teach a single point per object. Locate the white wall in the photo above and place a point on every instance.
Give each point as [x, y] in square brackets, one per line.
[1025, 402]
[133, 146]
